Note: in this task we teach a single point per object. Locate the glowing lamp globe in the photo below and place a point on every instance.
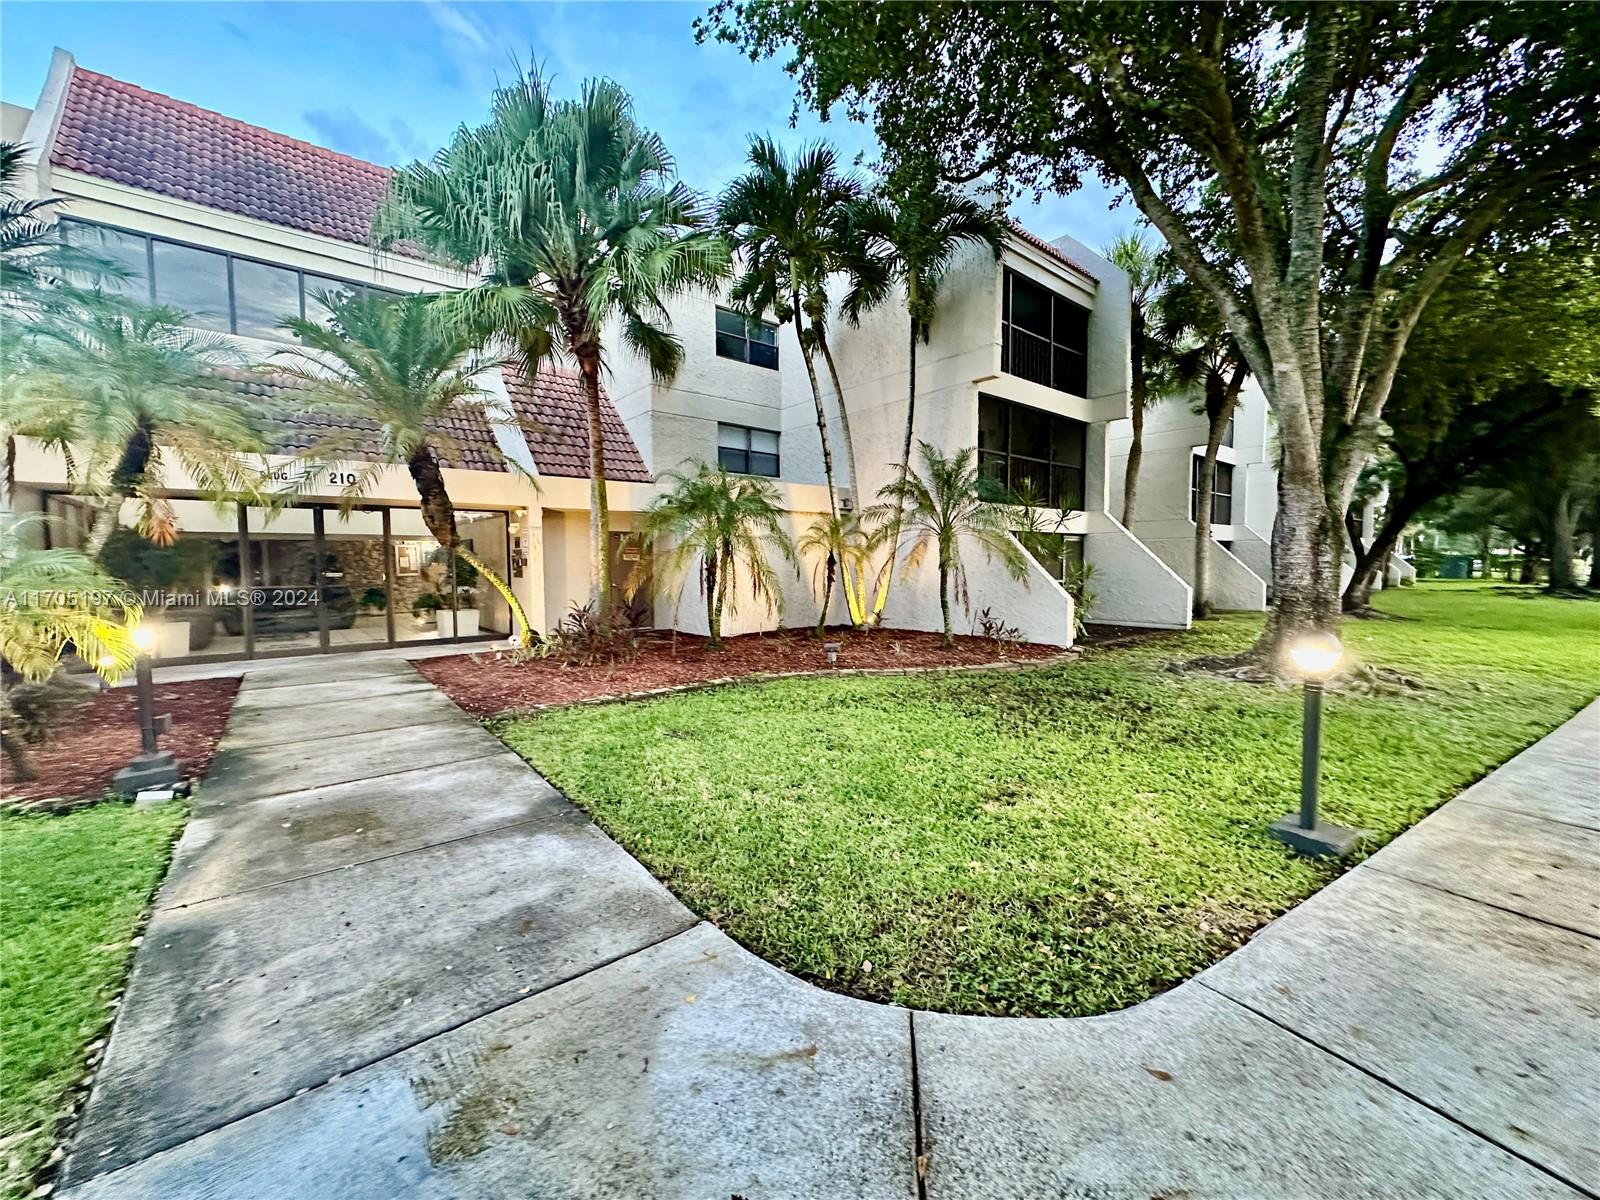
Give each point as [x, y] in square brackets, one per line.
[143, 638]
[1316, 655]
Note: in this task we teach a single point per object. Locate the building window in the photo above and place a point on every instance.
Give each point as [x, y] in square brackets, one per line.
[1060, 554]
[747, 451]
[218, 291]
[1221, 492]
[1227, 430]
[1030, 455]
[746, 339]
[1044, 337]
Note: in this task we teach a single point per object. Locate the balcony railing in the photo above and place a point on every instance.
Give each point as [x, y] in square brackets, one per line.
[1037, 359]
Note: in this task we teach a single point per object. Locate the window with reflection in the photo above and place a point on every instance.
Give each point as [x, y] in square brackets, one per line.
[263, 295]
[194, 280]
[1026, 455]
[746, 339]
[747, 451]
[127, 253]
[1221, 492]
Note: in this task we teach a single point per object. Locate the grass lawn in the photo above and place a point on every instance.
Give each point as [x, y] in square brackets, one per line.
[1064, 841]
[71, 891]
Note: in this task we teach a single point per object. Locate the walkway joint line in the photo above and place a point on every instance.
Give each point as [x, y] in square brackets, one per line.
[1396, 1088]
[1437, 887]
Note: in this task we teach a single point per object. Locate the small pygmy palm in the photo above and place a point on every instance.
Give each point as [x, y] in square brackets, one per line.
[731, 524]
[935, 507]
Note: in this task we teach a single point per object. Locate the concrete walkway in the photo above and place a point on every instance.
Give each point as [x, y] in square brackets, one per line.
[391, 961]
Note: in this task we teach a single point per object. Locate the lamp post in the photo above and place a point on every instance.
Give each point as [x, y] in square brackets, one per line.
[1316, 656]
[152, 767]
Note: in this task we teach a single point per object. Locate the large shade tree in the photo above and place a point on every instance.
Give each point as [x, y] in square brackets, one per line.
[573, 222]
[395, 373]
[1482, 383]
[1318, 170]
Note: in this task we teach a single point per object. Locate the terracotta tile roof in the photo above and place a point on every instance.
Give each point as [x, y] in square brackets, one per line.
[1055, 252]
[558, 427]
[468, 442]
[116, 131]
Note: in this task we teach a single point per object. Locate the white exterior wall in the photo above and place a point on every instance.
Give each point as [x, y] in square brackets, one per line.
[1174, 435]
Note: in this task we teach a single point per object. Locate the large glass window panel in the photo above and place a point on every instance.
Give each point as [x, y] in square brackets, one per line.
[263, 295]
[127, 252]
[1030, 432]
[318, 288]
[1030, 306]
[195, 281]
[482, 609]
[353, 586]
[284, 580]
[421, 577]
[991, 425]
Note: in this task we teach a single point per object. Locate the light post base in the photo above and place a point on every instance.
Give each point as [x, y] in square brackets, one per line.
[156, 770]
[1325, 840]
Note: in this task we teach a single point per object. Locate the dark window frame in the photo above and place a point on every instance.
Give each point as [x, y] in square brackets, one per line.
[1070, 547]
[150, 240]
[1020, 348]
[746, 341]
[746, 465]
[1074, 472]
[1221, 491]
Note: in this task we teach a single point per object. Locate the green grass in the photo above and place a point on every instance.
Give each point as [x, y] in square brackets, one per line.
[72, 889]
[1057, 842]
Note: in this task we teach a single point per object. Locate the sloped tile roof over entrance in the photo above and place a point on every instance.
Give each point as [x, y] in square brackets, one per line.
[557, 424]
[297, 424]
[114, 130]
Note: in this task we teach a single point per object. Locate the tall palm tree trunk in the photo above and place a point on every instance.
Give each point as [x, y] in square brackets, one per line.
[854, 586]
[439, 515]
[905, 467]
[827, 594]
[1130, 479]
[599, 512]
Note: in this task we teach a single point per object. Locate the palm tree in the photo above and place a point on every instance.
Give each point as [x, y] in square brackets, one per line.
[123, 391]
[914, 238]
[788, 220]
[1202, 352]
[396, 364]
[572, 214]
[843, 546]
[730, 523]
[1149, 272]
[937, 508]
[51, 600]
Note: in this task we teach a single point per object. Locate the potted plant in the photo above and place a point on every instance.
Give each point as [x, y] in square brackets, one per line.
[461, 618]
[374, 600]
[425, 606]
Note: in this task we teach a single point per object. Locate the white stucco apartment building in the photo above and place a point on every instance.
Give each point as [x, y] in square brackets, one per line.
[240, 226]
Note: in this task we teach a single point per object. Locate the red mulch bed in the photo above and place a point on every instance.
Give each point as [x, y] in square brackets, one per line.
[487, 684]
[79, 760]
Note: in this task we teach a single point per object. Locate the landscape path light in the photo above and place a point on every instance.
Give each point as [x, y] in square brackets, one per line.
[1316, 657]
[152, 767]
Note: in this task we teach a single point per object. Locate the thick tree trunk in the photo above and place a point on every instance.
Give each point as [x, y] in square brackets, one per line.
[1130, 481]
[599, 512]
[1305, 570]
[1530, 560]
[1561, 553]
[105, 524]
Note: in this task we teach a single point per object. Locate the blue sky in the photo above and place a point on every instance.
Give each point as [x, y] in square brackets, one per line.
[389, 81]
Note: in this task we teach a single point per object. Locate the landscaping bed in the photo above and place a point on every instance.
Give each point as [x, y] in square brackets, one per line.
[77, 763]
[1055, 842]
[488, 684]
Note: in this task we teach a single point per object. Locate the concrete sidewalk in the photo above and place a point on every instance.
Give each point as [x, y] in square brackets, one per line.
[391, 961]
